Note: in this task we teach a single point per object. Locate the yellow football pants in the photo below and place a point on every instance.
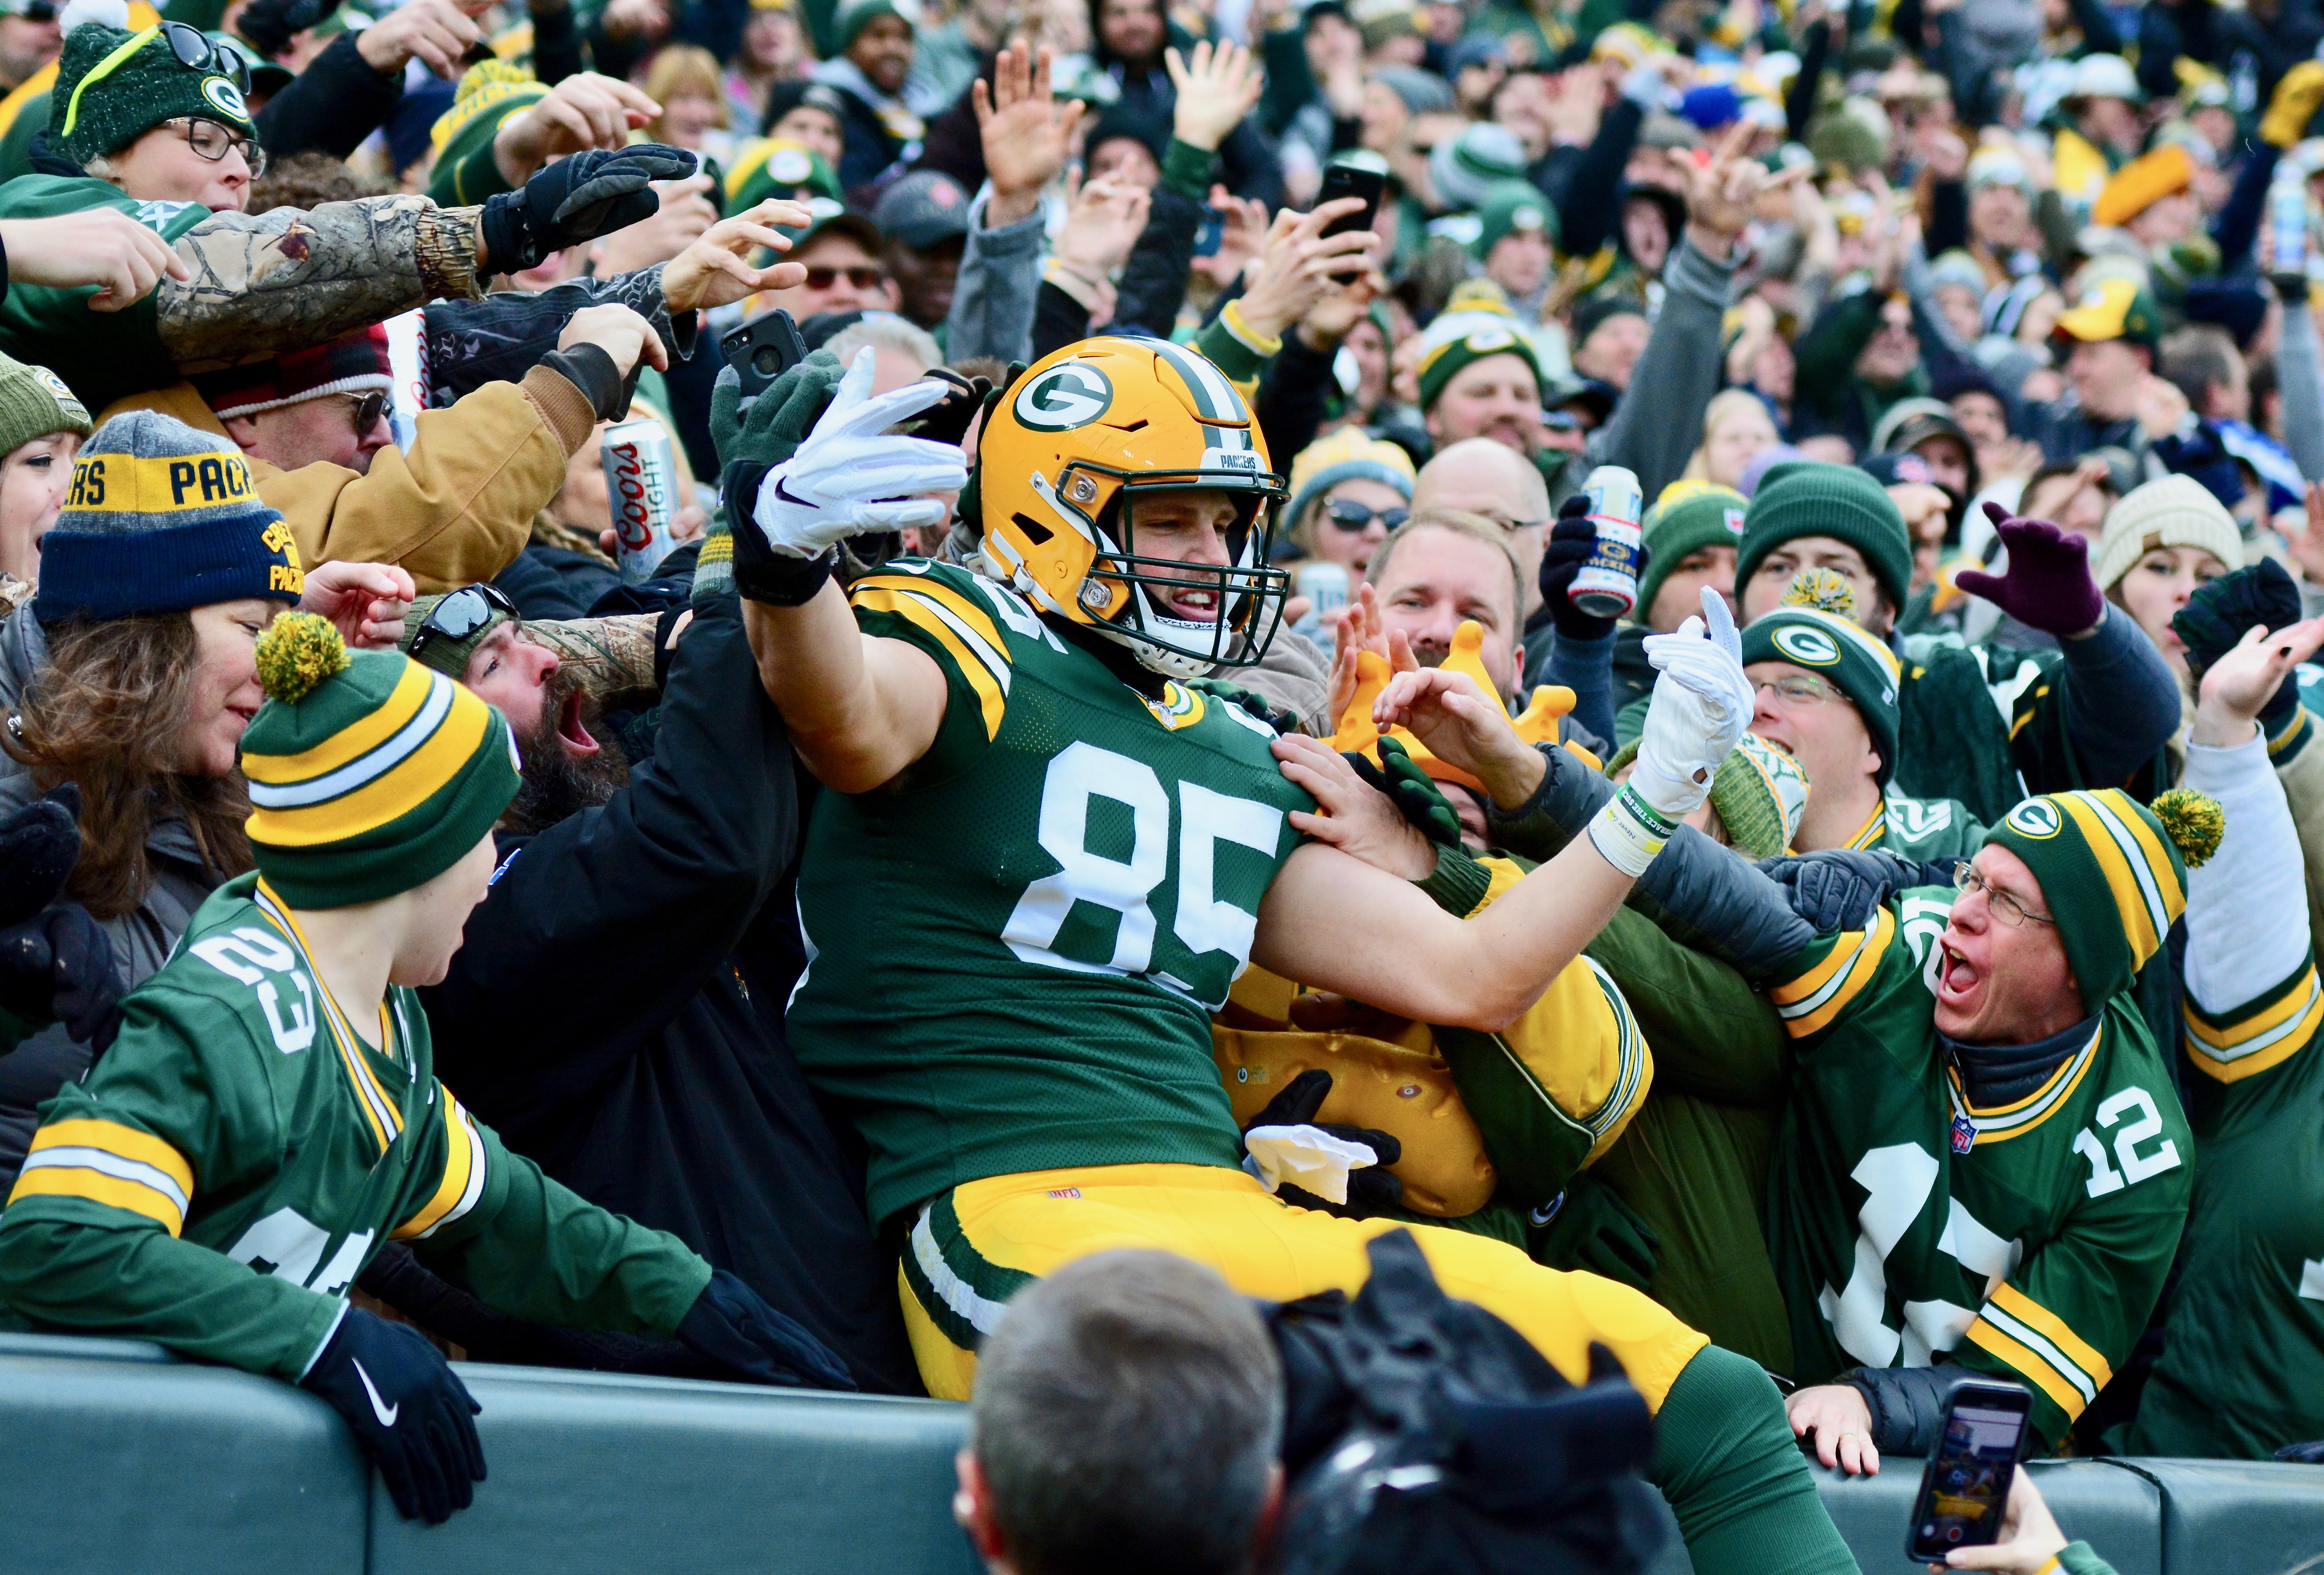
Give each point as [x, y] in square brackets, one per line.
[975, 1247]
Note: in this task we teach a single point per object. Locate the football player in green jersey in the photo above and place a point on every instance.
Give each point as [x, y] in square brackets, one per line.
[1046, 856]
[270, 1117]
[2242, 1368]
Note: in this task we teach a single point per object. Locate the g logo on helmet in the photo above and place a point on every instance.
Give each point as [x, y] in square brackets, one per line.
[1811, 646]
[1064, 398]
[227, 97]
[2037, 818]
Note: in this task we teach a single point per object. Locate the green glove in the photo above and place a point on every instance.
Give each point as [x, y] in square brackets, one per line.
[1412, 790]
[1234, 694]
[1594, 1230]
[779, 419]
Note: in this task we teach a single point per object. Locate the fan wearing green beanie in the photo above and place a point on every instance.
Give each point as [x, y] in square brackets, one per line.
[41, 426]
[1981, 725]
[269, 1118]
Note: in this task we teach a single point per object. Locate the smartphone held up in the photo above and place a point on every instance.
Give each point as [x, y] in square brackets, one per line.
[1965, 1487]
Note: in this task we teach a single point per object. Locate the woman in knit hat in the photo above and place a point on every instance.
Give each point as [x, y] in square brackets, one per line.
[2161, 541]
[1735, 430]
[1348, 491]
[41, 426]
[131, 677]
[272, 1103]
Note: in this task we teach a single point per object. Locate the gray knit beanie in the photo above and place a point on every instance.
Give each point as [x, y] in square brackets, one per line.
[1466, 169]
[1423, 92]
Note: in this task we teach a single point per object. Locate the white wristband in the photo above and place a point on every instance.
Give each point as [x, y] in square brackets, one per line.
[1628, 832]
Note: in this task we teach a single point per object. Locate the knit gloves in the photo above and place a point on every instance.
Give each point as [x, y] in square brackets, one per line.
[1701, 705]
[2048, 586]
[2218, 614]
[576, 200]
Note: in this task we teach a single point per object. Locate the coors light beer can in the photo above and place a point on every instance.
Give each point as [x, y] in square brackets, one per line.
[1607, 584]
[641, 487]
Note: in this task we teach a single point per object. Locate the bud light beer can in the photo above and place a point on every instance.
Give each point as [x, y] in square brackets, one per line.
[1608, 584]
[1324, 583]
[642, 488]
[2287, 212]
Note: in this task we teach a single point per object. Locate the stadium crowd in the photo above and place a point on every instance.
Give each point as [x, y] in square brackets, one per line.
[1129, 743]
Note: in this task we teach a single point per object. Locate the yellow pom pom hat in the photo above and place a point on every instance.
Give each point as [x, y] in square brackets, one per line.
[369, 774]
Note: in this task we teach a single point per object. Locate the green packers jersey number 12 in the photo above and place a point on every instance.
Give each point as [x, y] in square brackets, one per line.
[1015, 947]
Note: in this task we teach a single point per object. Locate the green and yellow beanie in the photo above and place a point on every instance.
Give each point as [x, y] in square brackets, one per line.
[779, 167]
[1816, 628]
[1759, 793]
[369, 774]
[1806, 497]
[162, 518]
[1510, 207]
[1467, 332]
[1688, 517]
[113, 86]
[858, 14]
[34, 403]
[2113, 874]
[489, 93]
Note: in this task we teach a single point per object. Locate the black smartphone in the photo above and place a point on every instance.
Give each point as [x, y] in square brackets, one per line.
[1965, 1487]
[1348, 180]
[763, 349]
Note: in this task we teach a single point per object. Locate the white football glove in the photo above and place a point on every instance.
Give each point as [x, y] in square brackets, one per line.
[1307, 1157]
[846, 479]
[1702, 704]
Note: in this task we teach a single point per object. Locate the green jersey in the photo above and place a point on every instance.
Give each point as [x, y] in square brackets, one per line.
[2028, 1241]
[1921, 828]
[241, 1154]
[104, 356]
[2242, 1369]
[1014, 948]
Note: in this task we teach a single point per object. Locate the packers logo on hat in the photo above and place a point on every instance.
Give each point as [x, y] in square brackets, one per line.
[226, 97]
[2114, 308]
[1483, 340]
[789, 164]
[1811, 646]
[2037, 818]
[1735, 521]
[1065, 396]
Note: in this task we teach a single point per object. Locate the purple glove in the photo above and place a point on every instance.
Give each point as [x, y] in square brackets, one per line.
[2048, 586]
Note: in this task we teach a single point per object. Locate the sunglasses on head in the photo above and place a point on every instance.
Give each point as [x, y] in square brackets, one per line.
[197, 52]
[861, 277]
[460, 614]
[1349, 515]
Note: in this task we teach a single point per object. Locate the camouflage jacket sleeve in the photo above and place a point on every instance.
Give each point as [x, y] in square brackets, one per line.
[286, 280]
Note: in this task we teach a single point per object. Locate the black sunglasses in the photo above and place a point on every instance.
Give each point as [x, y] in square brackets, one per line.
[460, 614]
[196, 52]
[1350, 515]
[368, 409]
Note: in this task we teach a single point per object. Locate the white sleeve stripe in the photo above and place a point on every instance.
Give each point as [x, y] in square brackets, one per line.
[994, 661]
[112, 1165]
[2041, 1345]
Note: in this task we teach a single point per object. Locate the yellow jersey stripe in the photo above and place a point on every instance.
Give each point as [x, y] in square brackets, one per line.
[350, 743]
[2040, 1096]
[990, 696]
[2129, 858]
[1834, 963]
[1819, 1011]
[417, 777]
[2022, 1360]
[379, 1111]
[2294, 1003]
[978, 619]
[464, 1176]
[2241, 1053]
[95, 1186]
[1872, 830]
[127, 1142]
[2015, 1303]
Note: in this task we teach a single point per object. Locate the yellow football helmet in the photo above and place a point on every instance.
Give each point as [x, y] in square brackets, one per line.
[1064, 460]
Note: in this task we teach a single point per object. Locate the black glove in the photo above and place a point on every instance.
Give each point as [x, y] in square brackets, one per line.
[1374, 1190]
[1837, 888]
[2303, 1454]
[1571, 542]
[576, 200]
[1590, 1227]
[1412, 790]
[2218, 615]
[58, 967]
[949, 421]
[410, 1411]
[270, 25]
[732, 1325]
[39, 845]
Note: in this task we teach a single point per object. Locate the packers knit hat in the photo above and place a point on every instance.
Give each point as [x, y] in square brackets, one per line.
[162, 518]
[1423, 92]
[1806, 497]
[854, 18]
[1458, 338]
[1512, 207]
[1759, 793]
[1816, 628]
[777, 166]
[1688, 517]
[1347, 455]
[355, 364]
[2113, 874]
[113, 86]
[1465, 168]
[369, 774]
[2176, 511]
[34, 403]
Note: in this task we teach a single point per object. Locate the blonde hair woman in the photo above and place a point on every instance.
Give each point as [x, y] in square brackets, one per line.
[1736, 428]
[686, 81]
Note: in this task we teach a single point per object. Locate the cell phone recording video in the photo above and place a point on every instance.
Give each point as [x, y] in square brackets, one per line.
[1965, 1487]
[763, 349]
[1352, 181]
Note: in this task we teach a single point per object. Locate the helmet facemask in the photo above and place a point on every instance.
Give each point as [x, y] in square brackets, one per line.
[1129, 594]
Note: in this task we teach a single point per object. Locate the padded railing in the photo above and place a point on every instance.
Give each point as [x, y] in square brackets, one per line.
[114, 1457]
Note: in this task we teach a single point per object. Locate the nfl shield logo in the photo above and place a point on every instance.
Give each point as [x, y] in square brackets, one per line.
[1964, 1135]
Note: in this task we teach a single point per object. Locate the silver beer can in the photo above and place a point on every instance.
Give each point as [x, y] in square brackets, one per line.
[1324, 583]
[1607, 587]
[642, 490]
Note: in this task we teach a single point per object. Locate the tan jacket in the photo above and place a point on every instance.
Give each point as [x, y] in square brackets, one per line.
[456, 508]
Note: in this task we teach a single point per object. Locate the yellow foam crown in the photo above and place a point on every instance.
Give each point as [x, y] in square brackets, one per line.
[1537, 723]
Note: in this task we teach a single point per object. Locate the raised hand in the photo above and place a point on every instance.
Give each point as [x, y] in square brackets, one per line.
[1216, 89]
[715, 269]
[1351, 813]
[1462, 726]
[99, 245]
[586, 110]
[1102, 226]
[1026, 134]
[365, 601]
[1701, 705]
[2238, 685]
[1300, 265]
[846, 479]
[2048, 586]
